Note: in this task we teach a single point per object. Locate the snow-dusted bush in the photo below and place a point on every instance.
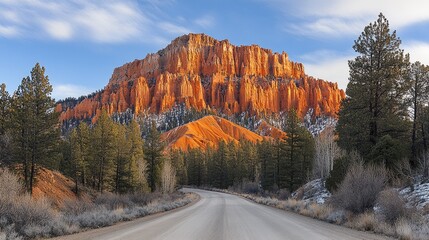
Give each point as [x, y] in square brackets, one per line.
[358, 192]
[391, 206]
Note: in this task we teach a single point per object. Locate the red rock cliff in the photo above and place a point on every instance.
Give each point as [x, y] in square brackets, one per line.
[202, 72]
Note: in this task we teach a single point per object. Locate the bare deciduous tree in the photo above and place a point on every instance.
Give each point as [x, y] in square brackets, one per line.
[168, 178]
[326, 150]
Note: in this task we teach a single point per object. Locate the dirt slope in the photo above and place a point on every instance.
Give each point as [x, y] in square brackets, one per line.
[207, 131]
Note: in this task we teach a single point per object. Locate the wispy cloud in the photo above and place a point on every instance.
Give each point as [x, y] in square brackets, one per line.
[8, 31]
[328, 65]
[105, 21]
[419, 51]
[206, 21]
[342, 18]
[62, 91]
[173, 28]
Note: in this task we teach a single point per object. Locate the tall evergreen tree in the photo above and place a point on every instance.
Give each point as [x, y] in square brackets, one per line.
[220, 166]
[121, 159]
[103, 145]
[296, 154]
[5, 137]
[80, 154]
[177, 159]
[136, 164]
[35, 123]
[419, 97]
[375, 104]
[268, 167]
[153, 154]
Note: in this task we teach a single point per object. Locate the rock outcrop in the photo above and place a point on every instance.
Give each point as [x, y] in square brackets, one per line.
[205, 132]
[204, 73]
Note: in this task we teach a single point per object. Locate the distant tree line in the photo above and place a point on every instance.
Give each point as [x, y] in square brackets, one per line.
[274, 164]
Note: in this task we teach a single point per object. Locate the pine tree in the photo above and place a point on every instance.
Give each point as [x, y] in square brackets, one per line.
[296, 154]
[121, 159]
[5, 136]
[265, 158]
[177, 159]
[220, 166]
[419, 96]
[80, 154]
[35, 123]
[136, 164]
[153, 154]
[103, 145]
[375, 103]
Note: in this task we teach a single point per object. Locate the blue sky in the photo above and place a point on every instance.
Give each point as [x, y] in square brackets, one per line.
[80, 42]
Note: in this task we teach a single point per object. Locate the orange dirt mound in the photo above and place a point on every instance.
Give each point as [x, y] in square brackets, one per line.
[205, 132]
[54, 186]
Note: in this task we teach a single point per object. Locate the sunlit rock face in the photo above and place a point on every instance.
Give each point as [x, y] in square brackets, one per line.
[203, 73]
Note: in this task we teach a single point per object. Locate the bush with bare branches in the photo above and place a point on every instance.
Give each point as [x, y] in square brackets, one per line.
[358, 192]
[391, 206]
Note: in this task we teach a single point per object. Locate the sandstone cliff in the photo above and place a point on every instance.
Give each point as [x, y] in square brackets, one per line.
[204, 73]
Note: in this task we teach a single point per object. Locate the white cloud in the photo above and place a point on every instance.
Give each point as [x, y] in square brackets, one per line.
[327, 27]
[62, 91]
[174, 29]
[419, 51]
[205, 21]
[328, 65]
[58, 29]
[97, 20]
[8, 31]
[332, 16]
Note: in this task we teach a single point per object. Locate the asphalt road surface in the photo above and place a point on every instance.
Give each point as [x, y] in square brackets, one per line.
[219, 216]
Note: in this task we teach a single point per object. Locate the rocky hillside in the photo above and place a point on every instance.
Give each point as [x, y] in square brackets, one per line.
[203, 73]
[205, 132]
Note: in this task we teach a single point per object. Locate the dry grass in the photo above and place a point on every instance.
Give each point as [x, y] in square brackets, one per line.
[403, 229]
[23, 217]
[364, 222]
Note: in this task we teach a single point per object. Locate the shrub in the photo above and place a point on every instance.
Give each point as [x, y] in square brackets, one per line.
[143, 199]
[403, 230]
[364, 222]
[391, 206]
[10, 186]
[250, 187]
[75, 207]
[283, 194]
[113, 201]
[337, 216]
[358, 192]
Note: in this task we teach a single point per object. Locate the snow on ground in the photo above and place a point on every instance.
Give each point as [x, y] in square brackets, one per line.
[313, 191]
[417, 195]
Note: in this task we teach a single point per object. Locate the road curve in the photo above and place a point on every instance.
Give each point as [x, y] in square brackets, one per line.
[219, 216]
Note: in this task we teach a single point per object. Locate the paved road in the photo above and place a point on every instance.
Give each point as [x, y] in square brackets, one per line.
[219, 216]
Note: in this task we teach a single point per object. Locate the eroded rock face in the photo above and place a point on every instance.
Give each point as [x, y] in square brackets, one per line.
[202, 73]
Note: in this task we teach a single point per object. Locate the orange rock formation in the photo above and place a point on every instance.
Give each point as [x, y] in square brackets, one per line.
[205, 132]
[201, 73]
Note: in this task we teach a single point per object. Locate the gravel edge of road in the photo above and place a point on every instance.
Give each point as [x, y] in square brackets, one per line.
[193, 197]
